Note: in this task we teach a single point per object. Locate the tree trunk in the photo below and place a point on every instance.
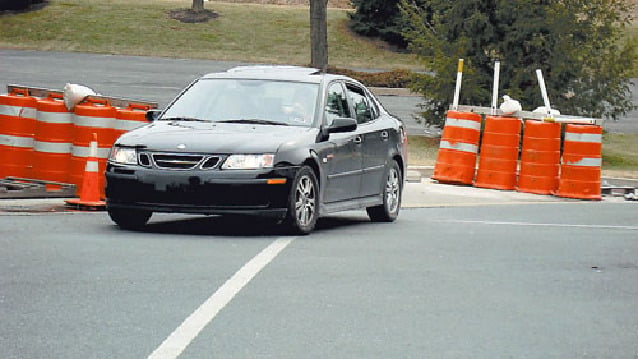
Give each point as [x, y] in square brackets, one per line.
[319, 34]
[198, 5]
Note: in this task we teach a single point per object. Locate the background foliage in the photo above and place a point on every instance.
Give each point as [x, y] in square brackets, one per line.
[578, 45]
[378, 18]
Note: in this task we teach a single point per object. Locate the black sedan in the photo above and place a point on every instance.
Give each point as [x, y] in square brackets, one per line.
[289, 143]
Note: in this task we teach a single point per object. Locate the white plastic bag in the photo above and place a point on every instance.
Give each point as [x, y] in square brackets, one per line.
[543, 109]
[74, 94]
[509, 105]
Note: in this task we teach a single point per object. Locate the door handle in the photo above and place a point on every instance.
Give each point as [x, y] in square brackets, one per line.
[357, 140]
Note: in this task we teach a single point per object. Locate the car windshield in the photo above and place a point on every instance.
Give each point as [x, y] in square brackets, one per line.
[261, 102]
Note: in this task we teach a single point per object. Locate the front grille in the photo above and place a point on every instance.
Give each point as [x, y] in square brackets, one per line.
[179, 161]
[176, 162]
[144, 159]
[211, 162]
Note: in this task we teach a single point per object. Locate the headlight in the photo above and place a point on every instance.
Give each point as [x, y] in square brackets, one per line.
[123, 155]
[248, 162]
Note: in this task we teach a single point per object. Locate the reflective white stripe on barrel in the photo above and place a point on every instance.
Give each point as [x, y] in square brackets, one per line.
[52, 147]
[18, 111]
[7, 110]
[55, 117]
[88, 121]
[473, 125]
[16, 141]
[79, 151]
[459, 146]
[583, 137]
[127, 125]
[29, 112]
[586, 162]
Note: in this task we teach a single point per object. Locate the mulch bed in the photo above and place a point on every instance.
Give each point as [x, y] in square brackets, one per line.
[192, 16]
[15, 7]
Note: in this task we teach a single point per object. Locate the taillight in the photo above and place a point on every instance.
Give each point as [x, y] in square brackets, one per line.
[404, 136]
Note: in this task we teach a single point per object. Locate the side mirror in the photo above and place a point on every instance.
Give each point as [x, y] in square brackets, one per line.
[152, 115]
[340, 125]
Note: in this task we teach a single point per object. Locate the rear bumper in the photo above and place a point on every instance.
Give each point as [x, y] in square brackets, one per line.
[203, 191]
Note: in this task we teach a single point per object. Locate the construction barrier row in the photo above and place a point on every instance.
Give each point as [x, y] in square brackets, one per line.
[41, 139]
[541, 170]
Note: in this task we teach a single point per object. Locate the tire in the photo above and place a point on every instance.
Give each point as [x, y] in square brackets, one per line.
[392, 190]
[303, 202]
[129, 218]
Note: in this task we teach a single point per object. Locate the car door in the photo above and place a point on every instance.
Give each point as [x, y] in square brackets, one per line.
[374, 139]
[344, 164]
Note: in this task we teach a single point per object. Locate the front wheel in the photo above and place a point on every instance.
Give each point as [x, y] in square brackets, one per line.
[129, 218]
[303, 202]
[389, 210]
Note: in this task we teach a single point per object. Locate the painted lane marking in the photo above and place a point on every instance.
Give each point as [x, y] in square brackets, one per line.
[591, 226]
[177, 342]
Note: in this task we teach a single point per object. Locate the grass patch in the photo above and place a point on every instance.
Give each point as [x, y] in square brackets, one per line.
[422, 150]
[244, 32]
[620, 151]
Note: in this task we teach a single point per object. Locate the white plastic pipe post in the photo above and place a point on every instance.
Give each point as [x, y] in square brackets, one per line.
[457, 90]
[541, 82]
[497, 71]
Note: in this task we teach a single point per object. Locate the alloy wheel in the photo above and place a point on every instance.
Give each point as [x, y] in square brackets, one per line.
[392, 190]
[305, 201]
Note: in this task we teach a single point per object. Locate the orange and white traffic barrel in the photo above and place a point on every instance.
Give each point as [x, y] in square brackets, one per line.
[53, 139]
[456, 160]
[129, 118]
[540, 158]
[498, 162]
[92, 116]
[17, 125]
[582, 161]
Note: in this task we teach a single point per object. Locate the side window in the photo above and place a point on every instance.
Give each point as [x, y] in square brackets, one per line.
[336, 104]
[362, 105]
[373, 105]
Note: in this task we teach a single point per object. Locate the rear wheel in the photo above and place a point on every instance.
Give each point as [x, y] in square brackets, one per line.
[129, 218]
[389, 210]
[303, 202]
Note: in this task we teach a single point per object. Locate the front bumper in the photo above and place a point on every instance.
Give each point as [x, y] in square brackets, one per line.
[200, 191]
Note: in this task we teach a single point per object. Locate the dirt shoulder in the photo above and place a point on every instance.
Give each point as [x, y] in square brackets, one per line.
[620, 174]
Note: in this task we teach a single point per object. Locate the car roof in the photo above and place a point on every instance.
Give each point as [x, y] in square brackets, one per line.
[275, 72]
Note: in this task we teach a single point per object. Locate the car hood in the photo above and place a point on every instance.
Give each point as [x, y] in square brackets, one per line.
[183, 136]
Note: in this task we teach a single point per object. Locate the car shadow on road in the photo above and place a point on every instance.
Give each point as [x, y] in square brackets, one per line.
[243, 226]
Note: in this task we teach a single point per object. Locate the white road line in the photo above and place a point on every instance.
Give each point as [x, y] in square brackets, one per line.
[591, 226]
[175, 344]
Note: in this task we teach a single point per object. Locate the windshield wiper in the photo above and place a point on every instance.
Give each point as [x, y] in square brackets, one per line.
[255, 121]
[183, 119]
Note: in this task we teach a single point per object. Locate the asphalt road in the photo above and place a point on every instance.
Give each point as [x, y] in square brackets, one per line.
[160, 79]
[551, 280]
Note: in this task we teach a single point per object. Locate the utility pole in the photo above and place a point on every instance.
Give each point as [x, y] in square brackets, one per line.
[319, 34]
